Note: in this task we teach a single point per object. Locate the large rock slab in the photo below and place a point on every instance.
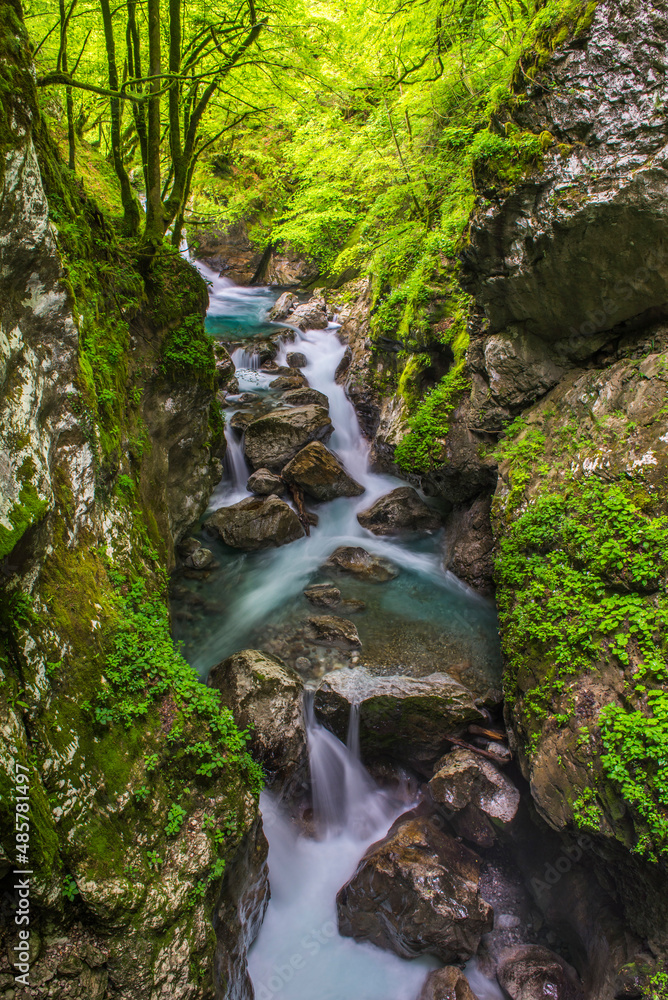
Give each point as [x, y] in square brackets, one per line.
[399, 512]
[264, 695]
[408, 718]
[362, 564]
[256, 523]
[309, 316]
[320, 474]
[416, 893]
[449, 983]
[304, 396]
[274, 439]
[534, 973]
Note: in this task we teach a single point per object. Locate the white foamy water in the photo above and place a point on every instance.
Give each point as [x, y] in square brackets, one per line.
[299, 953]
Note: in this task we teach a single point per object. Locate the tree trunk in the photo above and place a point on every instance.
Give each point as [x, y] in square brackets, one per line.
[131, 210]
[155, 213]
[134, 67]
[69, 101]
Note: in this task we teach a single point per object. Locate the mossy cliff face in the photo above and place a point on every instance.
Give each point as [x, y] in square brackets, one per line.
[142, 793]
[565, 409]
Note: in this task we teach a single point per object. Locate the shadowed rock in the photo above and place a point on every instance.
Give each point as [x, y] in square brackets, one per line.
[256, 523]
[399, 512]
[302, 397]
[328, 630]
[533, 973]
[416, 893]
[263, 483]
[449, 983]
[323, 595]
[320, 474]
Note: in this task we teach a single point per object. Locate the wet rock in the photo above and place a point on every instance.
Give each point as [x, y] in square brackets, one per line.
[463, 778]
[328, 630]
[262, 482]
[297, 360]
[401, 511]
[407, 718]
[294, 381]
[275, 438]
[360, 563]
[416, 893]
[187, 546]
[283, 306]
[320, 474]
[264, 695]
[256, 523]
[309, 316]
[534, 973]
[201, 558]
[323, 594]
[224, 365]
[449, 983]
[469, 543]
[352, 607]
[520, 367]
[240, 420]
[230, 252]
[302, 397]
[270, 367]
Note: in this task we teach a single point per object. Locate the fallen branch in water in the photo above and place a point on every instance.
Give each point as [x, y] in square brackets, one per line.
[501, 761]
[298, 497]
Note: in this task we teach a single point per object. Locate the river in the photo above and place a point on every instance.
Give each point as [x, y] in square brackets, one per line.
[424, 620]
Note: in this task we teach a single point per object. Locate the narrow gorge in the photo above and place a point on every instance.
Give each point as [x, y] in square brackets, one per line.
[333, 518]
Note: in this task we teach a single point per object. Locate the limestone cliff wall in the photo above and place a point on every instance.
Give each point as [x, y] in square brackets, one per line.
[107, 455]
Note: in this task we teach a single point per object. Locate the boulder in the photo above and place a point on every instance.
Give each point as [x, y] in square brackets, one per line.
[200, 558]
[320, 474]
[467, 781]
[416, 893]
[283, 306]
[399, 512]
[224, 365]
[272, 440]
[328, 630]
[297, 360]
[309, 316]
[264, 695]
[531, 972]
[256, 523]
[323, 595]
[294, 381]
[408, 718]
[302, 397]
[263, 483]
[240, 420]
[362, 564]
[449, 983]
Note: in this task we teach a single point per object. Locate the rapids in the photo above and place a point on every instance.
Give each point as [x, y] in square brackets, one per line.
[421, 620]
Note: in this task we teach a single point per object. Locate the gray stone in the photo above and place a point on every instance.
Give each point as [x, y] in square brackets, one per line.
[304, 396]
[262, 482]
[477, 791]
[399, 512]
[199, 559]
[416, 893]
[283, 306]
[297, 360]
[309, 316]
[256, 523]
[274, 439]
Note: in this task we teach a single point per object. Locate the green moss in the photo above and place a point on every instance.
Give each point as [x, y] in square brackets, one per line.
[28, 510]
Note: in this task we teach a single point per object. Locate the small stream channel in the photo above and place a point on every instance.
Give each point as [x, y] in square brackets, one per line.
[422, 621]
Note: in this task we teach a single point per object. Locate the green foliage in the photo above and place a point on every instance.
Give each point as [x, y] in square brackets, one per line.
[581, 575]
[143, 666]
[423, 447]
[69, 889]
[658, 986]
[29, 508]
[187, 352]
[175, 818]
